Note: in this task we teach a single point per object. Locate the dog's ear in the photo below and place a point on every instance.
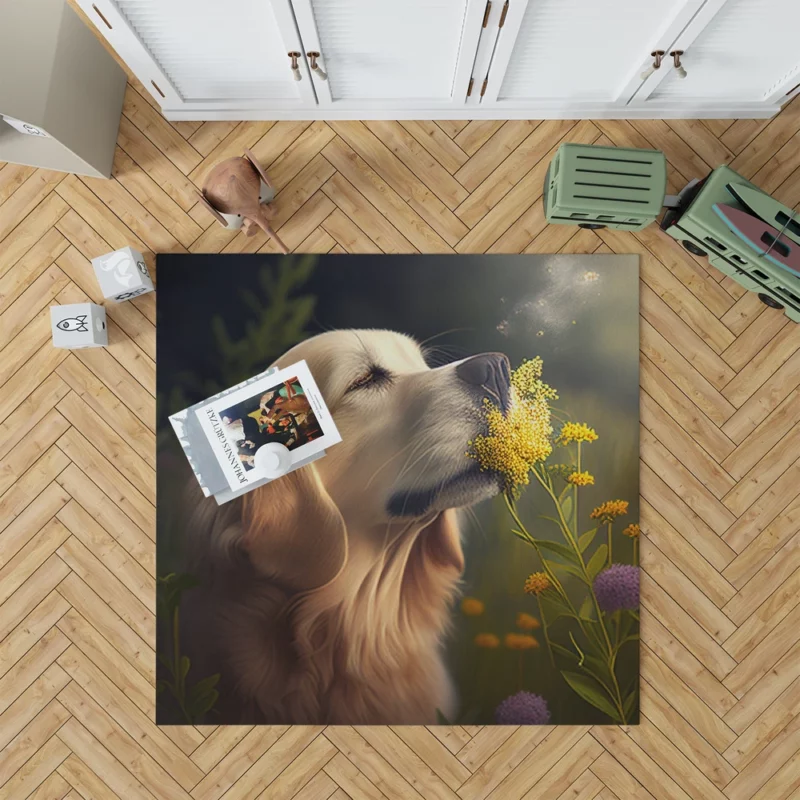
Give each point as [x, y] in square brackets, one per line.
[293, 531]
[443, 540]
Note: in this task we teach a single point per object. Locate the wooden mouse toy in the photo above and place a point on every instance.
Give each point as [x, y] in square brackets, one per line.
[233, 187]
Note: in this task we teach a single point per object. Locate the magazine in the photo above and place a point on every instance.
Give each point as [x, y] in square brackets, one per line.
[284, 407]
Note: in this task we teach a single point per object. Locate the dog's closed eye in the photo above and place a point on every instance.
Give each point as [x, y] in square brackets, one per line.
[375, 376]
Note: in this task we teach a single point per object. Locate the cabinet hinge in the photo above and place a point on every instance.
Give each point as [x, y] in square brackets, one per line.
[483, 88]
[503, 15]
[469, 88]
[487, 12]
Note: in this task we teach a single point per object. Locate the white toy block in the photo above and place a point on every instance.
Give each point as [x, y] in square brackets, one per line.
[122, 274]
[78, 325]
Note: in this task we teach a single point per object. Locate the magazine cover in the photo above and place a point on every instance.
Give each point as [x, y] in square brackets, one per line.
[284, 407]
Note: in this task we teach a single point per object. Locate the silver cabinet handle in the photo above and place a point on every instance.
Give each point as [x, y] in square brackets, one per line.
[295, 67]
[676, 59]
[312, 57]
[657, 56]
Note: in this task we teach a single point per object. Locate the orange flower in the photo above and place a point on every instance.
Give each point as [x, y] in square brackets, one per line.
[520, 641]
[606, 512]
[472, 607]
[527, 622]
[633, 530]
[487, 640]
[536, 583]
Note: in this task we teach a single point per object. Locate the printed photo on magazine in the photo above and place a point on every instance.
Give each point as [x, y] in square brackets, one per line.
[285, 407]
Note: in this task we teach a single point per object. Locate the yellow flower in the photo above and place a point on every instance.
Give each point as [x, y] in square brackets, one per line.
[581, 479]
[520, 641]
[576, 432]
[537, 583]
[487, 640]
[633, 530]
[520, 438]
[609, 510]
[527, 622]
[472, 607]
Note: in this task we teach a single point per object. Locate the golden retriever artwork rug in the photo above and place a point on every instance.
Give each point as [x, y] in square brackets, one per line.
[467, 554]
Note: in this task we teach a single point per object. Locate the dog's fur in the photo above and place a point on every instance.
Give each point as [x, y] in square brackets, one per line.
[326, 594]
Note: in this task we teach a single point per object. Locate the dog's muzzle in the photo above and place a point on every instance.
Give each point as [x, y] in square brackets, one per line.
[490, 375]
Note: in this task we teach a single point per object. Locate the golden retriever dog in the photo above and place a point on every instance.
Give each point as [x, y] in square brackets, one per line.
[327, 593]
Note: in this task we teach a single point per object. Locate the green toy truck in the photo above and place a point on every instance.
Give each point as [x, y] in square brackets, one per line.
[598, 187]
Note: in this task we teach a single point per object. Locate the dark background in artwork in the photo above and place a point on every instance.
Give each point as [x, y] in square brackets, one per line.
[224, 318]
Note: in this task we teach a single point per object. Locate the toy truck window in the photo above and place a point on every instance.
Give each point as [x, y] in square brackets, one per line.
[790, 224]
[715, 243]
[779, 247]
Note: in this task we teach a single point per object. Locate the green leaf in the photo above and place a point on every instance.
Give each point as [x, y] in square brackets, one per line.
[629, 704]
[597, 561]
[441, 719]
[185, 664]
[586, 539]
[566, 508]
[204, 704]
[564, 652]
[203, 687]
[470, 717]
[559, 549]
[166, 662]
[585, 611]
[553, 606]
[553, 520]
[571, 568]
[591, 691]
[595, 633]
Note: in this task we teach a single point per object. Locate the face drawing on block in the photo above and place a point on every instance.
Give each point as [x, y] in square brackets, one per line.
[121, 265]
[77, 324]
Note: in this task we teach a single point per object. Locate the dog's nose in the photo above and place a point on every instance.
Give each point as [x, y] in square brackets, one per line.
[490, 372]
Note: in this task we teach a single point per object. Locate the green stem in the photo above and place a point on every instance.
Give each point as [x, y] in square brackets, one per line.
[610, 656]
[544, 632]
[549, 572]
[636, 551]
[609, 544]
[547, 569]
[576, 491]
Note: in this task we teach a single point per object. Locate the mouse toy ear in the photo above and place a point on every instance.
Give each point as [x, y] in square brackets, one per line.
[294, 532]
[257, 167]
[213, 211]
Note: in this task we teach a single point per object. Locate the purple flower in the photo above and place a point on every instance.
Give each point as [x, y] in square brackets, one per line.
[617, 587]
[522, 708]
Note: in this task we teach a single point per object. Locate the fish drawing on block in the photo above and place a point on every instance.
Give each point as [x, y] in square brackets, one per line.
[74, 324]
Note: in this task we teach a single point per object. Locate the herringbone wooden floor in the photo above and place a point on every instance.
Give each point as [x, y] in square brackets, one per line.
[720, 473]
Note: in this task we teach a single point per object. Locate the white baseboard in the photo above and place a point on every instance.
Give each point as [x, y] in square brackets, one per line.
[650, 111]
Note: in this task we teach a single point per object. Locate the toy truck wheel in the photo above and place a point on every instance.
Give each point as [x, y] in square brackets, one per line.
[592, 226]
[769, 301]
[693, 248]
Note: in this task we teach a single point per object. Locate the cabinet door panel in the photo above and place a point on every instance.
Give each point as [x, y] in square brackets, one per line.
[408, 53]
[748, 51]
[581, 51]
[207, 53]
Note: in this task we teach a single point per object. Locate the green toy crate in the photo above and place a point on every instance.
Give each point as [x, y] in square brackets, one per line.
[598, 187]
[702, 232]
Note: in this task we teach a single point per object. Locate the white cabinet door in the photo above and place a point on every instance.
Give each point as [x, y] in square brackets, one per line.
[208, 54]
[377, 55]
[735, 51]
[564, 54]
